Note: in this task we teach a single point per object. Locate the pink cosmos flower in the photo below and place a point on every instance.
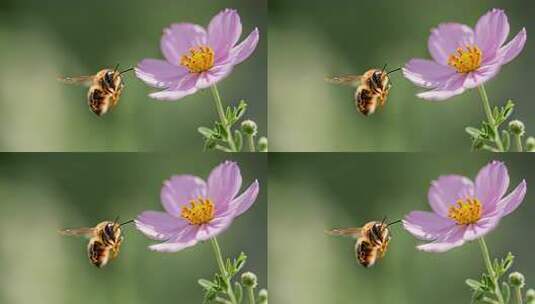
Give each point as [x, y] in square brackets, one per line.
[464, 58]
[196, 210]
[197, 58]
[462, 210]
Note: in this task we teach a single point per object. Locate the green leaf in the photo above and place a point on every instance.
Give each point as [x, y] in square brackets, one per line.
[473, 132]
[475, 285]
[508, 109]
[220, 281]
[238, 291]
[496, 112]
[508, 261]
[241, 109]
[206, 132]
[208, 285]
[240, 261]
[209, 297]
[224, 149]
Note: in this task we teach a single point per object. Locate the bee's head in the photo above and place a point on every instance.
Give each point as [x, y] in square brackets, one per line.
[379, 229]
[112, 79]
[379, 79]
[112, 230]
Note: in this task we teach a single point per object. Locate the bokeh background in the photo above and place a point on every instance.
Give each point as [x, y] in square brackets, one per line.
[309, 40]
[44, 40]
[42, 193]
[309, 193]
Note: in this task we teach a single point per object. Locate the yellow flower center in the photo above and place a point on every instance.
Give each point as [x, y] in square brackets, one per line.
[466, 211]
[200, 59]
[466, 60]
[198, 212]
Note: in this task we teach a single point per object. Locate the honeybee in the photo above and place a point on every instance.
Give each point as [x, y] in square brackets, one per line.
[105, 89]
[372, 240]
[104, 241]
[372, 88]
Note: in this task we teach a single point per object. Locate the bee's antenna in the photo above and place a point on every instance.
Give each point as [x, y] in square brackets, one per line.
[116, 219]
[384, 67]
[127, 70]
[383, 221]
[116, 68]
[393, 223]
[398, 69]
[127, 222]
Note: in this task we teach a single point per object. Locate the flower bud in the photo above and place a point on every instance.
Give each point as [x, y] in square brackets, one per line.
[249, 127]
[517, 127]
[248, 279]
[530, 144]
[263, 296]
[263, 144]
[530, 296]
[516, 279]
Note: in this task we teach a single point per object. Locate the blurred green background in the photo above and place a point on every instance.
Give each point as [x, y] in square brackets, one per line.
[309, 193]
[42, 193]
[309, 40]
[42, 40]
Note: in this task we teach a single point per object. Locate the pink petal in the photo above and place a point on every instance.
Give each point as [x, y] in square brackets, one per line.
[427, 225]
[185, 87]
[454, 238]
[179, 190]
[482, 75]
[446, 38]
[186, 238]
[246, 47]
[179, 38]
[454, 87]
[214, 228]
[509, 203]
[215, 75]
[482, 227]
[511, 50]
[427, 73]
[224, 183]
[491, 184]
[243, 202]
[224, 31]
[159, 73]
[491, 31]
[447, 190]
[159, 225]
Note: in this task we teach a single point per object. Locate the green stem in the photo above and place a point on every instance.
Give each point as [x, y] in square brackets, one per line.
[518, 295]
[518, 143]
[224, 274]
[490, 117]
[224, 122]
[490, 270]
[250, 292]
[250, 140]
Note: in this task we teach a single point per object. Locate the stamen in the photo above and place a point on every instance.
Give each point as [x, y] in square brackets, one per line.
[467, 211]
[201, 59]
[200, 211]
[466, 60]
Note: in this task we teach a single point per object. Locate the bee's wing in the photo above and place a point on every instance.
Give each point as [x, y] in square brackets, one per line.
[82, 80]
[348, 80]
[352, 232]
[85, 231]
